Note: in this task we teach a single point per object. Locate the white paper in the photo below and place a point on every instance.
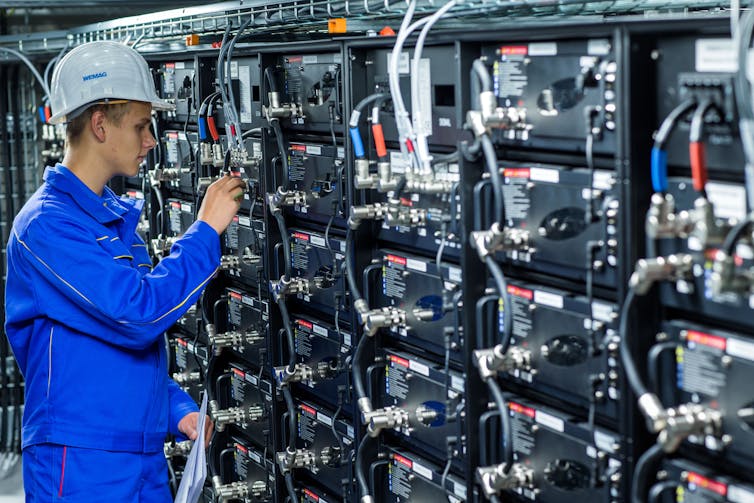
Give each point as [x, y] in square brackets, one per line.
[196, 465]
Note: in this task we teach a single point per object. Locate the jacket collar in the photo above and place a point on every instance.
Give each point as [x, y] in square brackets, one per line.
[105, 209]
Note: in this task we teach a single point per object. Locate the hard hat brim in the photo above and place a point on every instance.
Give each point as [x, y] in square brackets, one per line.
[63, 118]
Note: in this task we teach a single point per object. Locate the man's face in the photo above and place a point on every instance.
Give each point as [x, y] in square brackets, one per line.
[131, 140]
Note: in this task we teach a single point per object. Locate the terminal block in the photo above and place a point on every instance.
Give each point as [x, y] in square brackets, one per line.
[494, 479]
[234, 415]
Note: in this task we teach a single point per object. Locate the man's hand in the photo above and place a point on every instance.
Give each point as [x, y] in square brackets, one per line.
[221, 202]
[189, 423]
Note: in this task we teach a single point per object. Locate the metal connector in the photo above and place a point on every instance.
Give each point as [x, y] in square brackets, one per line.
[282, 198]
[181, 449]
[203, 183]
[362, 178]
[386, 317]
[386, 418]
[492, 361]
[234, 415]
[233, 339]
[284, 287]
[234, 262]
[186, 378]
[676, 424]
[493, 479]
[218, 156]
[205, 152]
[498, 239]
[671, 268]
[238, 490]
[277, 110]
[727, 278]
[301, 373]
[161, 245]
[299, 458]
[662, 222]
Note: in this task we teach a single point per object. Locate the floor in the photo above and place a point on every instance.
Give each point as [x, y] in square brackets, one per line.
[12, 486]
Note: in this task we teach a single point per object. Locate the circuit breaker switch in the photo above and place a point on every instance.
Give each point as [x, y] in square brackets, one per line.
[494, 479]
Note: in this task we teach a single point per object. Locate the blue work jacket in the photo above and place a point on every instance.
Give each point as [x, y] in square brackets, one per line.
[86, 313]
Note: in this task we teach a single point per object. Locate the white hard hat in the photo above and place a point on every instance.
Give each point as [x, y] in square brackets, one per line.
[98, 72]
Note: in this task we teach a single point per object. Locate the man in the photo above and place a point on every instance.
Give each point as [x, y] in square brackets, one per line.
[85, 311]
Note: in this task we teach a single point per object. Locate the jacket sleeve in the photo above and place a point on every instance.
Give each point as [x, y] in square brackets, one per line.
[92, 293]
[180, 405]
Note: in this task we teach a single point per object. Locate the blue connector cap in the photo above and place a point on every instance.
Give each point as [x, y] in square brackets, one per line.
[202, 129]
[358, 146]
[659, 170]
[42, 117]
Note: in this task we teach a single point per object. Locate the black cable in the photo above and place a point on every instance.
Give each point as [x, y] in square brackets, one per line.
[361, 476]
[290, 488]
[733, 236]
[507, 435]
[286, 318]
[490, 158]
[350, 269]
[657, 490]
[275, 123]
[173, 479]
[653, 363]
[220, 68]
[291, 419]
[670, 122]
[223, 454]
[228, 57]
[370, 99]
[629, 366]
[502, 288]
[358, 380]
[285, 242]
[647, 462]
[479, 69]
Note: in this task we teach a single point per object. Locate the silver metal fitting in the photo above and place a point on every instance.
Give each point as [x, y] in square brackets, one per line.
[284, 287]
[300, 458]
[203, 183]
[727, 278]
[186, 378]
[493, 479]
[492, 361]
[662, 222]
[233, 339]
[282, 198]
[499, 239]
[218, 156]
[425, 415]
[362, 178]
[386, 418]
[689, 420]
[181, 449]
[161, 245]
[205, 151]
[301, 372]
[234, 415]
[671, 268]
[385, 317]
[277, 110]
[365, 406]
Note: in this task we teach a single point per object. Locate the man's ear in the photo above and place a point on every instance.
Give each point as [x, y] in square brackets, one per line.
[97, 125]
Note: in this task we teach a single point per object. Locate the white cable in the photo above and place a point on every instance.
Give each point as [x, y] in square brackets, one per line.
[31, 67]
[735, 15]
[394, 76]
[422, 146]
